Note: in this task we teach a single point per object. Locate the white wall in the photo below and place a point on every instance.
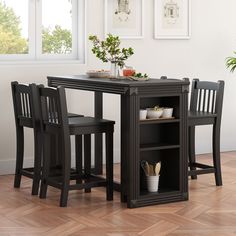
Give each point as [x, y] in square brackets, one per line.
[203, 56]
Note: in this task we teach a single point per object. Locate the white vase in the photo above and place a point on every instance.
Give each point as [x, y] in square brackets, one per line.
[152, 183]
[114, 70]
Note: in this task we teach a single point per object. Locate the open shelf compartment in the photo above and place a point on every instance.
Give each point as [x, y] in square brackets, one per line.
[169, 180]
[159, 136]
[169, 101]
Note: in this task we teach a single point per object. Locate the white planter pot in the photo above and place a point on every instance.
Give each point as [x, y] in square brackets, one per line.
[152, 183]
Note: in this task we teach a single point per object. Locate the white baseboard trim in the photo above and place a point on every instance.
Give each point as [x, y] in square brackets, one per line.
[8, 166]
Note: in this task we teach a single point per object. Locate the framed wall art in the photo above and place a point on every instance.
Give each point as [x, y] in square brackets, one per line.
[172, 19]
[124, 18]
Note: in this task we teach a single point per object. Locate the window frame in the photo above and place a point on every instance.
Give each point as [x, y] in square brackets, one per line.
[35, 54]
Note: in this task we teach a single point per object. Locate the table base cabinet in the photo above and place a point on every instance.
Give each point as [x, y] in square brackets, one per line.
[162, 140]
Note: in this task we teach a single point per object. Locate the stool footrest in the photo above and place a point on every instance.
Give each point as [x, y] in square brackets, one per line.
[86, 182]
[28, 172]
[204, 169]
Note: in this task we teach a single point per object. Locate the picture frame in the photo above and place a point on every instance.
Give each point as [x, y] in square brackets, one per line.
[124, 18]
[172, 19]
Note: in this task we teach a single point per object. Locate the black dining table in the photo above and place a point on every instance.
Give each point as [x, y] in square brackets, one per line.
[133, 94]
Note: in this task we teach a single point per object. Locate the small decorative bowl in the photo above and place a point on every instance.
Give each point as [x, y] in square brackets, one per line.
[167, 112]
[98, 74]
[128, 72]
[154, 114]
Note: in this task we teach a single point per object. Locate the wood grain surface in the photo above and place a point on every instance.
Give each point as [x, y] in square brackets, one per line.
[210, 210]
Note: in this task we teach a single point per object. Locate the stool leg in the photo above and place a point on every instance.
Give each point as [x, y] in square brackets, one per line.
[109, 165]
[64, 195]
[78, 157]
[55, 154]
[192, 157]
[37, 161]
[46, 165]
[87, 158]
[19, 155]
[66, 166]
[216, 154]
[65, 188]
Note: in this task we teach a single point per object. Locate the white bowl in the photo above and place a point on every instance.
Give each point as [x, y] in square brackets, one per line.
[98, 74]
[167, 112]
[152, 114]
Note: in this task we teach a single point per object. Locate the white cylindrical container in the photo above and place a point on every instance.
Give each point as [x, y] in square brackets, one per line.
[167, 112]
[142, 114]
[152, 183]
[114, 70]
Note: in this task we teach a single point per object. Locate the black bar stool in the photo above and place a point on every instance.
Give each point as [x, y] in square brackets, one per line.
[206, 109]
[26, 115]
[53, 101]
[26, 110]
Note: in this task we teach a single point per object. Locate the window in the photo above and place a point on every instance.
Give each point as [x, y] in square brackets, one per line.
[42, 30]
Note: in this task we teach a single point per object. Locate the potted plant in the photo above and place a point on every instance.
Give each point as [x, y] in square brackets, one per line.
[231, 63]
[109, 51]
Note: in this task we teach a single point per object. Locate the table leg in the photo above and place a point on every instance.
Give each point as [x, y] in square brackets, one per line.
[98, 113]
[123, 135]
[129, 148]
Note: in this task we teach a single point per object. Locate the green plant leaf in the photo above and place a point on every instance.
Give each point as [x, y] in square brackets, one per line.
[231, 63]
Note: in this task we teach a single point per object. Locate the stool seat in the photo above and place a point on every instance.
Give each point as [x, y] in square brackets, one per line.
[200, 118]
[74, 115]
[88, 125]
[88, 121]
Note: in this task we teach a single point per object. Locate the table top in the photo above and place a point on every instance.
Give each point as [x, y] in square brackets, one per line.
[111, 85]
[118, 81]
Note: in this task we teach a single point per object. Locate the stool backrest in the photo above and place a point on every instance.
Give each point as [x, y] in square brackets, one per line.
[53, 106]
[207, 96]
[54, 117]
[26, 113]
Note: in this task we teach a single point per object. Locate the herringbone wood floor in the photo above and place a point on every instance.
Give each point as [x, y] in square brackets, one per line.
[211, 210]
